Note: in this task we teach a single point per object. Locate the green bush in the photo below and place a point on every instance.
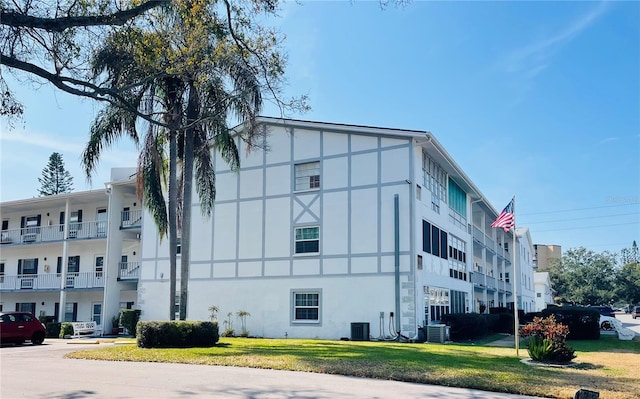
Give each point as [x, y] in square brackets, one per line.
[505, 323]
[540, 349]
[583, 323]
[466, 326]
[53, 329]
[66, 329]
[177, 334]
[548, 340]
[129, 319]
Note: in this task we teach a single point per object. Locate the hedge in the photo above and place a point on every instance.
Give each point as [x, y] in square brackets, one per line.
[583, 322]
[466, 326]
[129, 319]
[177, 334]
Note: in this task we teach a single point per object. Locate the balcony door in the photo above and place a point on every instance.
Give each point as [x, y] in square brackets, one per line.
[101, 220]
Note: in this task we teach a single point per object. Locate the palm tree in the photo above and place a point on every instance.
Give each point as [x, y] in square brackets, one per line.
[191, 74]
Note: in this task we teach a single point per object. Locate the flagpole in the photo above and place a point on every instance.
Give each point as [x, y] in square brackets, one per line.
[515, 283]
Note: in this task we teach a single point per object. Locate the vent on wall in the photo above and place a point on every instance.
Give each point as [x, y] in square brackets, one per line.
[359, 331]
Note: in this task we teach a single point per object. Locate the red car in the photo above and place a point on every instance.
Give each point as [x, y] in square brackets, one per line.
[18, 327]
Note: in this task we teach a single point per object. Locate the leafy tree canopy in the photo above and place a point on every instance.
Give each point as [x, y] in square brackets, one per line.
[584, 277]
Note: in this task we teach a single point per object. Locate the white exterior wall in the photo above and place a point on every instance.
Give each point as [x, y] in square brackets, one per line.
[526, 289]
[243, 256]
[543, 292]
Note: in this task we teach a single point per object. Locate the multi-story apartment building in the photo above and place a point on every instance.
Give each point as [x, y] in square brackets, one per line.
[544, 255]
[74, 256]
[336, 224]
[323, 226]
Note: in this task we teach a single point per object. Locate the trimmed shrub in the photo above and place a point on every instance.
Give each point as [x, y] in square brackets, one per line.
[129, 319]
[53, 329]
[505, 323]
[66, 329]
[177, 334]
[583, 322]
[466, 326]
[548, 340]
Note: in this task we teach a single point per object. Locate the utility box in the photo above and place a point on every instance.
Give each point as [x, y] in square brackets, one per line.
[359, 331]
[437, 333]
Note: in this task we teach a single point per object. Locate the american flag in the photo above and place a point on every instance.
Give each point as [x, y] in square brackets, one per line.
[506, 219]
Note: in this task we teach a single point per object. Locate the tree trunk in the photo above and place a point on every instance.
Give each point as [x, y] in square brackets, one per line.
[173, 196]
[192, 114]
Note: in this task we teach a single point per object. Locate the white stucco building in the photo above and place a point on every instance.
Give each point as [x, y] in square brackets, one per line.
[331, 225]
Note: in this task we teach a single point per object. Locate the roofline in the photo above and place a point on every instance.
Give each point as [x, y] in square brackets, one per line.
[341, 127]
[480, 197]
[49, 198]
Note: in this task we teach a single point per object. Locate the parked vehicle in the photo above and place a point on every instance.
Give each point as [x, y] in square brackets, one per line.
[18, 327]
[635, 312]
[604, 310]
[606, 323]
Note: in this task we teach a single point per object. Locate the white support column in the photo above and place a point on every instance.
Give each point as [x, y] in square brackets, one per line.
[64, 265]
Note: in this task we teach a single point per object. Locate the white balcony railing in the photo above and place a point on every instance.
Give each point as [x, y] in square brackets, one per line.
[31, 235]
[51, 281]
[131, 218]
[128, 270]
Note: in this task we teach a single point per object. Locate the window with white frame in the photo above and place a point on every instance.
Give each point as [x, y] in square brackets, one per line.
[307, 240]
[307, 176]
[435, 178]
[306, 306]
[457, 258]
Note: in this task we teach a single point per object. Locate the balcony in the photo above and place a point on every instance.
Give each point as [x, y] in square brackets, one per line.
[128, 270]
[477, 279]
[51, 281]
[131, 219]
[39, 234]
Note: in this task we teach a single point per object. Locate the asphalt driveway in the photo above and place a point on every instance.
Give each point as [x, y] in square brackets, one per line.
[39, 372]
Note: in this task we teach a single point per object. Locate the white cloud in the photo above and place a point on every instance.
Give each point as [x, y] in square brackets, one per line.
[529, 61]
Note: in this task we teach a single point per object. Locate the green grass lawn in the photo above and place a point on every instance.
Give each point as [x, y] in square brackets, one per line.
[608, 365]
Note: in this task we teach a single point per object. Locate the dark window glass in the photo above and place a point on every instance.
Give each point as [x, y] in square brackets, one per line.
[435, 241]
[443, 245]
[426, 236]
[307, 247]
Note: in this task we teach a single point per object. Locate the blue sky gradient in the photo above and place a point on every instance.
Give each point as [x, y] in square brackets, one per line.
[534, 99]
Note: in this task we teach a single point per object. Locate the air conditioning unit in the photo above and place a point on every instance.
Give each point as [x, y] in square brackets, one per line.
[359, 331]
[437, 333]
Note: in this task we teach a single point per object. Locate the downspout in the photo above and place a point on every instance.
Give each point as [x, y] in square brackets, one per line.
[396, 212]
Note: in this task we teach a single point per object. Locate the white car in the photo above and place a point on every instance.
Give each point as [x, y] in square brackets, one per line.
[607, 323]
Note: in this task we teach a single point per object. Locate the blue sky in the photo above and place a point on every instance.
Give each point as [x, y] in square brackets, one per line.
[534, 99]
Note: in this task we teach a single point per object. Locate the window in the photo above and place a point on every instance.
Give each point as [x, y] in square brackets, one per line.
[307, 176]
[5, 224]
[506, 277]
[434, 240]
[4, 237]
[435, 178]
[419, 262]
[2, 272]
[307, 240]
[457, 258]
[178, 245]
[426, 236]
[30, 226]
[539, 294]
[96, 313]
[99, 266]
[457, 199]
[28, 266]
[306, 306]
[435, 204]
[75, 223]
[418, 193]
[26, 307]
[73, 265]
[70, 311]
